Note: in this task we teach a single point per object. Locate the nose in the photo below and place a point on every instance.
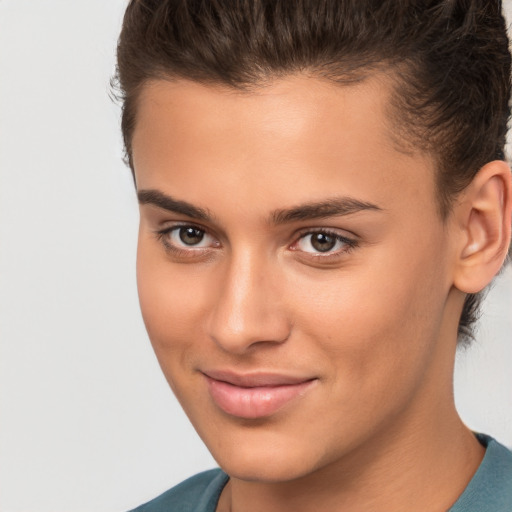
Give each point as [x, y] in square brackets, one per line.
[248, 308]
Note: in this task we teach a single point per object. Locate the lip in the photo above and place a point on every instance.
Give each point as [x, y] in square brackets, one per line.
[255, 395]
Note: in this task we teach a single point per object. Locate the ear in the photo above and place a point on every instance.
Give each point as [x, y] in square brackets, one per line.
[484, 218]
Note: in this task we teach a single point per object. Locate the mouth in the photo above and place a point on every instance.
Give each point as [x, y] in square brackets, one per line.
[255, 395]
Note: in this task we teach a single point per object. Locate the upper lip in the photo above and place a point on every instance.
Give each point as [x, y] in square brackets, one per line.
[255, 379]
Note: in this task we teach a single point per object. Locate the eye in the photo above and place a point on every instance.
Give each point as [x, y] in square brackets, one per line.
[190, 236]
[186, 238]
[324, 242]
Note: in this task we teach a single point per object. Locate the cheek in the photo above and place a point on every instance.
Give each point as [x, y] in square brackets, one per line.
[379, 328]
[171, 305]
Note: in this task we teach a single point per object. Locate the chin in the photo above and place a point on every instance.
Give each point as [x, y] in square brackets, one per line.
[272, 469]
[265, 458]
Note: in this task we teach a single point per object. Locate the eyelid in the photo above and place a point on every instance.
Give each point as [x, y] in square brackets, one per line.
[190, 251]
[350, 242]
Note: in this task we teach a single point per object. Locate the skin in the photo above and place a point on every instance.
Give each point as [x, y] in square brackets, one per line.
[373, 322]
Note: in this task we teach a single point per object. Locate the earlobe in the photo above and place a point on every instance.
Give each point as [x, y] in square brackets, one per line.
[485, 220]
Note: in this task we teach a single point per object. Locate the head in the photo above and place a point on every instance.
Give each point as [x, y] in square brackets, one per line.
[315, 181]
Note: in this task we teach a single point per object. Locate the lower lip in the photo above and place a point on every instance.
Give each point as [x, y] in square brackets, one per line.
[256, 402]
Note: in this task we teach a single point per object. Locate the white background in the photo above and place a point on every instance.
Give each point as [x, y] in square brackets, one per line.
[87, 422]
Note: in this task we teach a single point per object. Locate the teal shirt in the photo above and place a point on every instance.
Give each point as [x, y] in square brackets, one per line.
[490, 489]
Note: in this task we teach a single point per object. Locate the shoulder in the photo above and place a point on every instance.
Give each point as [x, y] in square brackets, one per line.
[199, 493]
[490, 490]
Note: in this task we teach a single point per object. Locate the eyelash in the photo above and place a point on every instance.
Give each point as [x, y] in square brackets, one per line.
[349, 243]
[163, 235]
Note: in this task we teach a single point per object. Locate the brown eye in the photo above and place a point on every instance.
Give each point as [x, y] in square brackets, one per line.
[322, 242]
[187, 238]
[191, 235]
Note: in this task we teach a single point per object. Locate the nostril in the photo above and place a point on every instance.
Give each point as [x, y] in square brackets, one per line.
[240, 333]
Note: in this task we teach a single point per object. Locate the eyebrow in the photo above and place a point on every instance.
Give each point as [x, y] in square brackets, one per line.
[333, 207]
[166, 202]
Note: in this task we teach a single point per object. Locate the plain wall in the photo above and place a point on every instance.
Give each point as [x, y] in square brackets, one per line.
[87, 422]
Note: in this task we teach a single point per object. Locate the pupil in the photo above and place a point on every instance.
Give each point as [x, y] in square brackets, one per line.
[191, 236]
[322, 242]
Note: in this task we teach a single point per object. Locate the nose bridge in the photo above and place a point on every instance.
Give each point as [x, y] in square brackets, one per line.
[247, 308]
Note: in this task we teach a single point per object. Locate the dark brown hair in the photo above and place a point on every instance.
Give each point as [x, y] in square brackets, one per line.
[449, 60]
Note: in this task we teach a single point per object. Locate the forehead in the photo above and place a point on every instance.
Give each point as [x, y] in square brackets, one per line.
[291, 108]
[291, 139]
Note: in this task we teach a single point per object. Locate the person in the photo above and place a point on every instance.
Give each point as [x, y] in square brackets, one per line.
[323, 198]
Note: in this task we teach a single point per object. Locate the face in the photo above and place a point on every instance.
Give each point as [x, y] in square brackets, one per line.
[293, 272]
